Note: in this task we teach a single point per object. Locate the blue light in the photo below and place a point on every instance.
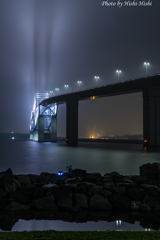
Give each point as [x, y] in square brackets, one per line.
[60, 173]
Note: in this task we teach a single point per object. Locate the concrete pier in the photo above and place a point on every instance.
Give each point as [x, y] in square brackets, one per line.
[151, 117]
[72, 122]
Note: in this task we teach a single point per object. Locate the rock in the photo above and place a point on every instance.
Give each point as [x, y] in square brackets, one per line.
[145, 208]
[46, 203]
[80, 200]
[51, 177]
[79, 173]
[135, 205]
[50, 185]
[81, 189]
[64, 197]
[9, 183]
[136, 194]
[37, 180]
[29, 188]
[149, 187]
[99, 203]
[152, 199]
[23, 179]
[15, 206]
[96, 189]
[3, 203]
[21, 196]
[121, 190]
[8, 171]
[38, 193]
[88, 185]
[137, 179]
[71, 185]
[151, 171]
[93, 178]
[106, 193]
[120, 202]
[108, 185]
[112, 174]
[2, 193]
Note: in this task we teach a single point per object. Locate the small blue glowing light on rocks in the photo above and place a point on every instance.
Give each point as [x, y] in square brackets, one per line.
[60, 173]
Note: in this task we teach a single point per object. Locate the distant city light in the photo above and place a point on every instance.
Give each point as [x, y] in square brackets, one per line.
[57, 89]
[12, 137]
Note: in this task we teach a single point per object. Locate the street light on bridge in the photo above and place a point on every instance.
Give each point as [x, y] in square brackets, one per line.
[66, 86]
[146, 64]
[57, 89]
[118, 72]
[96, 78]
[79, 82]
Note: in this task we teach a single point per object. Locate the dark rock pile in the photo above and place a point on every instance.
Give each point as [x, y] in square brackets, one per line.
[78, 190]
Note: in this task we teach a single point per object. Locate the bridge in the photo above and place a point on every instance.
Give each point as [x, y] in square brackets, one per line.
[148, 85]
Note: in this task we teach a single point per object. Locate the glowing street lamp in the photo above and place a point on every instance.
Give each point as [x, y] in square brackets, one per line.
[146, 64]
[96, 78]
[57, 89]
[66, 86]
[118, 72]
[79, 82]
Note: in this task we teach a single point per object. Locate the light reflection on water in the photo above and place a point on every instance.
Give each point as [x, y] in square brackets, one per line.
[32, 157]
[26, 157]
[39, 225]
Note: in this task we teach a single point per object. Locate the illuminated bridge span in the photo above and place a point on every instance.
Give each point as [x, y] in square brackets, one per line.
[149, 86]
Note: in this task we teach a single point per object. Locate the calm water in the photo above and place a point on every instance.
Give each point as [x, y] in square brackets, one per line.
[33, 157]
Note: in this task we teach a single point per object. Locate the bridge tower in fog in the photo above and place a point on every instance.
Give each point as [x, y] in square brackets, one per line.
[43, 123]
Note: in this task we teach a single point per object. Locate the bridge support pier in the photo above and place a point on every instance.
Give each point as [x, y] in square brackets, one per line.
[45, 136]
[151, 117]
[72, 122]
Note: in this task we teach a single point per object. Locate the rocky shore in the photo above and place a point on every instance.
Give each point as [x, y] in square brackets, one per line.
[78, 190]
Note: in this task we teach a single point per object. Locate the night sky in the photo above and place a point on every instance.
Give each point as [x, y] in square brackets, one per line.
[45, 44]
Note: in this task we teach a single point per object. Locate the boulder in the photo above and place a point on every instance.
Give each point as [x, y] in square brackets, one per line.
[151, 171]
[138, 180]
[2, 193]
[15, 206]
[93, 178]
[149, 187]
[3, 203]
[38, 193]
[80, 200]
[136, 194]
[51, 177]
[135, 205]
[21, 196]
[106, 193]
[46, 203]
[23, 179]
[9, 183]
[96, 189]
[81, 189]
[144, 208]
[64, 197]
[121, 190]
[79, 173]
[99, 203]
[120, 202]
[8, 171]
[37, 180]
[152, 199]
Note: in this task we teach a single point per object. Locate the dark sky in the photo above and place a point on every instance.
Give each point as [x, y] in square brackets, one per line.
[45, 44]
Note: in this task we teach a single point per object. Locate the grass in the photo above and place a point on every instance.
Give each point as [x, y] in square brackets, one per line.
[81, 235]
